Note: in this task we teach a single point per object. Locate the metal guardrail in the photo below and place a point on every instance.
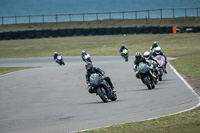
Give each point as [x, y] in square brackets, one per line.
[155, 13]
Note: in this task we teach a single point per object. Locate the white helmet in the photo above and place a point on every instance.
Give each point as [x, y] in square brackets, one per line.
[146, 54]
[157, 50]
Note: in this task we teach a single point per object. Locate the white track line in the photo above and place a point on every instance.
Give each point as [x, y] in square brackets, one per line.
[184, 81]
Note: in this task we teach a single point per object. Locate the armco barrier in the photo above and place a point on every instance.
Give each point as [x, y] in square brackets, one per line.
[31, 34]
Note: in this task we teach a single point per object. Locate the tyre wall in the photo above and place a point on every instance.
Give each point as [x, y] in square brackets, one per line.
[31, 34]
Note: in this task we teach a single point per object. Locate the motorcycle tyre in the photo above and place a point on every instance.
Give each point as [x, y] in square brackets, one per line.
[147, 83]
[102, 94]
[160, 75]
[114, 96]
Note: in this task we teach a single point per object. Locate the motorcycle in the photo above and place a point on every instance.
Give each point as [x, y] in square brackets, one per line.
[125, 54]
[145, 75]
[87, 58]
[59, 60]
[161, 65]
[154, 70]
[102, 88]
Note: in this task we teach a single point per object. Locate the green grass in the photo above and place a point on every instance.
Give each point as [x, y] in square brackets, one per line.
[4, 70]
[187, 122]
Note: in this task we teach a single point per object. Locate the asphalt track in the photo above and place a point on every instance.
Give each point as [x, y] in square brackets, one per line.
[55, 99]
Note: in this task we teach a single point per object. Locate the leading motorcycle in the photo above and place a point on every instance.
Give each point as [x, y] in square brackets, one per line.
[59, 60]
[86, 58]
[102, 88]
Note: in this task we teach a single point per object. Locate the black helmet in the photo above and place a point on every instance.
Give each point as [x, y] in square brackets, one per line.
[88, 66]
[138, 55]
[155, 44]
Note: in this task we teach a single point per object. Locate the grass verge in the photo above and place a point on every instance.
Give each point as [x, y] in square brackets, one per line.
[4, 70]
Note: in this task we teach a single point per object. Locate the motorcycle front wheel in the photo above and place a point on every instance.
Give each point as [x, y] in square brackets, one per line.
[102, 94]
[147, 82]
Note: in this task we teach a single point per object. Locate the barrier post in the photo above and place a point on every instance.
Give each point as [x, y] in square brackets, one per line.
[174, 29]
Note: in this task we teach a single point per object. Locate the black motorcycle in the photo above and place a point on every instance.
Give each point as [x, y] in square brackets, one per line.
[60, 61]
[102, 88]
[145, 75]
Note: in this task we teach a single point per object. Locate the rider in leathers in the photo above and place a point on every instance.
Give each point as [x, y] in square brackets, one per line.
[138, 60]
[90, 69]
[122, 48]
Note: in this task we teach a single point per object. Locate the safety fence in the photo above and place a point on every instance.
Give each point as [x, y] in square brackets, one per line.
[31, 34]
[154, 13]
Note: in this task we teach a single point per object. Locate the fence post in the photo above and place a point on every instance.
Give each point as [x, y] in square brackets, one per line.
[15, 19]
[56, 18]
[148, 14]
[161, 13]
[83, 17]
[136, 15]
[110, 15]
[69, 17]
[43, 19]
[186, 12]
[123, 15]
[97, 16]
[29, 19]
[173, 12]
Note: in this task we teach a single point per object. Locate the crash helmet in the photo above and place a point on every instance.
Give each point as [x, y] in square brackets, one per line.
[138, 55]
[83, 52]
[88, 66]
[55, 52]
[123, 46]
[157, 50]
[155, 44]
[146, 54]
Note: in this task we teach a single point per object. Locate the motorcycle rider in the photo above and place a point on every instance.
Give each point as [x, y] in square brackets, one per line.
[149, 57]
[90, 69]
[122, 48]
[159, 52]
[83, 54]
[138, 60]
[152, 48]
